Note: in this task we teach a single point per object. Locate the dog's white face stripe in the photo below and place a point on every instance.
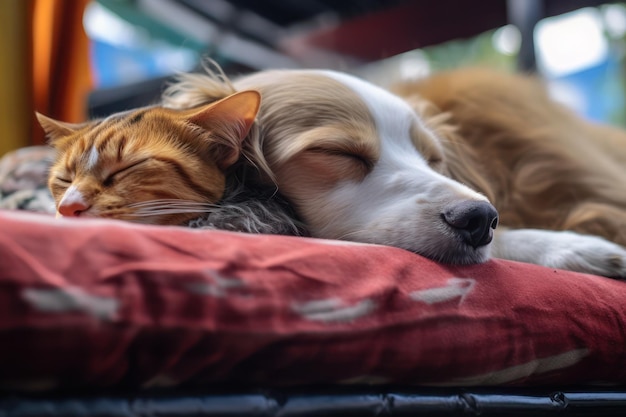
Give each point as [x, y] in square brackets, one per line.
[394, 118]
[392, 115]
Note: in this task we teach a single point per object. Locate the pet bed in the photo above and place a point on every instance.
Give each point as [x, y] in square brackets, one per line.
[110, 318]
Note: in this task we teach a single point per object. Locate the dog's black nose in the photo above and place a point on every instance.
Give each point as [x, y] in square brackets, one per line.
[473, 220]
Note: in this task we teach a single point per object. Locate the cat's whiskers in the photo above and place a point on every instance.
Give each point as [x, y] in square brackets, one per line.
[168, 206]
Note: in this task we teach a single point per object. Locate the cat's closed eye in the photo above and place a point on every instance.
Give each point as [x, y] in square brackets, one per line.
[111, 178]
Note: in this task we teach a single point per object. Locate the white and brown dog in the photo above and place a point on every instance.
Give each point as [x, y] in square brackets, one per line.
[422, 169]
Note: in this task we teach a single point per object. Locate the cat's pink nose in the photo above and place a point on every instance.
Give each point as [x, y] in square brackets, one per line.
[73, 203]
[72, 209]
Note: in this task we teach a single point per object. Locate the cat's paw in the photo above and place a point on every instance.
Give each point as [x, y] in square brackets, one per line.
[565, 250]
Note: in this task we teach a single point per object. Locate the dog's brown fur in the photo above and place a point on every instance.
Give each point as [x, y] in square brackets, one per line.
[540, 164]
[339, 150]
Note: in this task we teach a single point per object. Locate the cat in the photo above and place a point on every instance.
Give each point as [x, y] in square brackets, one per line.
[161, 166]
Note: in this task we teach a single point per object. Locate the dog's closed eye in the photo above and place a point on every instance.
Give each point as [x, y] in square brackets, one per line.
[338, 163]
[335, 162]
[366, 162]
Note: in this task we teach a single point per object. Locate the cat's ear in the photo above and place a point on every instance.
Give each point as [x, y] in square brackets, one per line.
[230, 120]
[55, 129]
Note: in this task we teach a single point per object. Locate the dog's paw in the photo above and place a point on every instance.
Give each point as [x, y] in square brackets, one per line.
[588, 254]
[565, 250]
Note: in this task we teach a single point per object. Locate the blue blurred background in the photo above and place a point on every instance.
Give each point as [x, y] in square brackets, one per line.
[84, 58]
[579, 52]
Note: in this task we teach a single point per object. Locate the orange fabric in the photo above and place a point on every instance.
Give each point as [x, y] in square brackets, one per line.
[60, 59]
[15, 80]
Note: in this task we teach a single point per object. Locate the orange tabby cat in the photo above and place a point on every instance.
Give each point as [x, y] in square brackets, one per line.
[151, 165]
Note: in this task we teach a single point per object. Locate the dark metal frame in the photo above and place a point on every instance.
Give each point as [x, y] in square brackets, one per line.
[329, 401]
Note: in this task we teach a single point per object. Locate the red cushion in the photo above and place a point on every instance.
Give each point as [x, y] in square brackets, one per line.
[98, 302]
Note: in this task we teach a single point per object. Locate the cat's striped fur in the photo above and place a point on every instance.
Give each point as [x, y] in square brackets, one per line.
[151, 165]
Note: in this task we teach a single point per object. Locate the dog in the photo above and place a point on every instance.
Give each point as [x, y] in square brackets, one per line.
[424, 165]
